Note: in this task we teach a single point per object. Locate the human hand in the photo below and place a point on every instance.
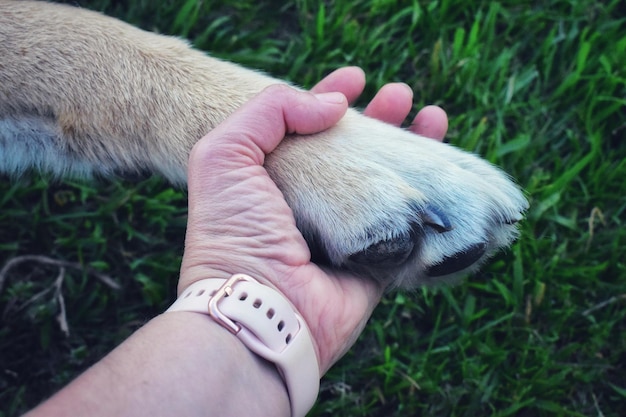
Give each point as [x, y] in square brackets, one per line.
[391, 104]
[240, 223]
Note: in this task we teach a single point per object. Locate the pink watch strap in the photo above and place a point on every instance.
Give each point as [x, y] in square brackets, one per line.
[267, 324]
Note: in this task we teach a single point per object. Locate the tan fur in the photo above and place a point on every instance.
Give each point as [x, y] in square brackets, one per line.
[107, 85]
[81, 93]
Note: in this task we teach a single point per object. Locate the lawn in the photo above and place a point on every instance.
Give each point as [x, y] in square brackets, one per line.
[538, 88]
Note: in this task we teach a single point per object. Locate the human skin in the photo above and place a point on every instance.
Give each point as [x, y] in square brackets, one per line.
[184, 363]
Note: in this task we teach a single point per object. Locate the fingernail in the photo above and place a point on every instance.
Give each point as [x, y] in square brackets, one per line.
[332, 98]
[407, 87]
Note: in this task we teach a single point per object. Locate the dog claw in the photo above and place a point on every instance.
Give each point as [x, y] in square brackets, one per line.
[516, 220]
[435, 218]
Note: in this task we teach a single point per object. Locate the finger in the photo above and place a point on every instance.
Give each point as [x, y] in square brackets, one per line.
[348, 80]
[432, 122]
[391, 104]
[258, 126]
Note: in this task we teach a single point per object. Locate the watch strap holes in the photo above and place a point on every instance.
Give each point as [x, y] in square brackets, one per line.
[270, 313]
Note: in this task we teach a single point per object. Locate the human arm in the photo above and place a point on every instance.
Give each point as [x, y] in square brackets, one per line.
[185, 363]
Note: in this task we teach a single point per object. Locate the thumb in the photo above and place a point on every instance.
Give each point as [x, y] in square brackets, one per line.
[256, 128]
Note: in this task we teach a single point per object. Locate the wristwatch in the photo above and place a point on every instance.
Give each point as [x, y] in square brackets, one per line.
[267, 324]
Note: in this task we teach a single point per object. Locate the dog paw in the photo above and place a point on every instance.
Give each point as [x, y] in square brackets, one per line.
[399, 208]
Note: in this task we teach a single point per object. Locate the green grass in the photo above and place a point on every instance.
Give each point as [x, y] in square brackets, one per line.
[536, 87]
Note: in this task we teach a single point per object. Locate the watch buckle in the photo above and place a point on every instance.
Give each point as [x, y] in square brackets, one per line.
[224, 291]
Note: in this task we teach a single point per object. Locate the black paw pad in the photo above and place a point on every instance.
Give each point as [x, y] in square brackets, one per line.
[387, 253]
[458, 261]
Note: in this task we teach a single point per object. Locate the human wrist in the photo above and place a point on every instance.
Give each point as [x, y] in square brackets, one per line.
[229, 375]
[266, 323]
[168, 367]
[195, 269]
[236, 380]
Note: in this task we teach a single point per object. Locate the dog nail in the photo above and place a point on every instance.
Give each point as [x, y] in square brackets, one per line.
[435, 218]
